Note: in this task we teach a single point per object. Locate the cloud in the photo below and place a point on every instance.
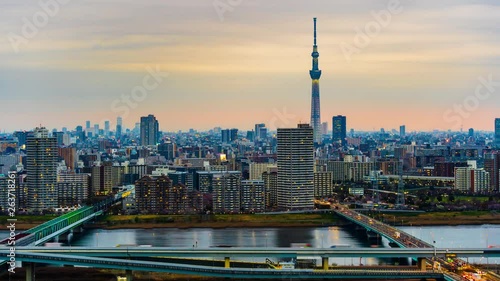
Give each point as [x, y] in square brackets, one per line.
[429, 50]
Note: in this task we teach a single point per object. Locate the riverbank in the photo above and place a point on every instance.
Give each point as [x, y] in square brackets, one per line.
[440, 218]
[192, 221]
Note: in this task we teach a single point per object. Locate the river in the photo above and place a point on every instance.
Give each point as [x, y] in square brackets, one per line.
[478, 236]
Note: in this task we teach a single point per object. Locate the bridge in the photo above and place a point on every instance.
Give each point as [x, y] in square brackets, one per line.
[400, 238]
[65, 223]
[238, 252]
[29, 259]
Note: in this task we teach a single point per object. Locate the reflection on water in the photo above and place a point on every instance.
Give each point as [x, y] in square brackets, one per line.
[323, 237]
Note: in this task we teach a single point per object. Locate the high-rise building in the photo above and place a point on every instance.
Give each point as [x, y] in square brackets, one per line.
[96, 130]
[497, 132]
[87, 125]
[72, 189]
[149, 130]
[226, 192]
[402, 130]
[256, 170]
[295, 167]
[262, 133]
[41, 166]
[80, 135]
[471, 132]
[167, 150]
[225, 136]
[22, 136]
[270, 179]
[105, 177]
[234, 134]
[106, 128]
[69, 156]
[323, 184]
[229, 135]
[315, 74]
[339, 129]
[118, 128]
[492, 166]
[257, 130]
[250, 135]
[324, 128]
[150, 193]
[253, 196]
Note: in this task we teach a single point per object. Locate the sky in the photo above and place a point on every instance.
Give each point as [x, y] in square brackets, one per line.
[233, 63]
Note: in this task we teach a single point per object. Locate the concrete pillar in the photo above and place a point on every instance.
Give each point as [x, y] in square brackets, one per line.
[129, 274]
[422, 264]
[30, 271]
[227, 262]
[325, 263]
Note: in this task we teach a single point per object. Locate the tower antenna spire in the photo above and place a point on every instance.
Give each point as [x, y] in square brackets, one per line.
[314, 31]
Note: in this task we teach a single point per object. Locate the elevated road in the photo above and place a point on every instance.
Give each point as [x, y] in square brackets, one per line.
[127, 252]
[128, 265]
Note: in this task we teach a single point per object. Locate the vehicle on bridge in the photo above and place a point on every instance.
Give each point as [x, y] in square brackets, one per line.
[300, 245]
[340, 246]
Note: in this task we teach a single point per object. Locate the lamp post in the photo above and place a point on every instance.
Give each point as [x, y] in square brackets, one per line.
[434, 244]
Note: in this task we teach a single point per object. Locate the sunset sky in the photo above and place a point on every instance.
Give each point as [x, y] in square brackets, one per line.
[250, 63]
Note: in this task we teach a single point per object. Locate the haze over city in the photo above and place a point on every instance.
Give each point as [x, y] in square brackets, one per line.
[233, 66]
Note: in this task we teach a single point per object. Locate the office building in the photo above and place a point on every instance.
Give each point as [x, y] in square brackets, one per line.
[402, 131]
[119, 128]
[339, 129]
[106, 128]
[149, 130]
[41, 166]
[295, 167]
[497, 132]
[324, 128]
[96, 130]
[257, 130]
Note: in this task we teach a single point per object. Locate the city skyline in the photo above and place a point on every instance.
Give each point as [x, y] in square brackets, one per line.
[219, 64]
